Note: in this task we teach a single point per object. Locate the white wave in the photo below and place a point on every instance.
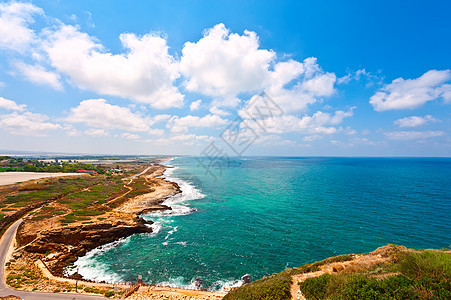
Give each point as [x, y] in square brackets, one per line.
[217, 286]
[176, 210]
[156, 227]
[177, 202]
[221, 285]
[89, 267]
[170, 232]
[178, 282]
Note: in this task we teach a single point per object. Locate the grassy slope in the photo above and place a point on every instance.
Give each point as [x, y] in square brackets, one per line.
[409, 275]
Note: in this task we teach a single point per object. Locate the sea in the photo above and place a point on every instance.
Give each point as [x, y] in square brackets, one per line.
[260, 215]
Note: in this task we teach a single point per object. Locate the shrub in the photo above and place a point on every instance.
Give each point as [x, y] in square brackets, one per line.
[316, 287]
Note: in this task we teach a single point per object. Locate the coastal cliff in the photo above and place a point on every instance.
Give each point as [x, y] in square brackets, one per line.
[66, 244]
[94, 214]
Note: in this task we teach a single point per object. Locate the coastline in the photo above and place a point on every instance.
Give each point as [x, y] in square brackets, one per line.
[53, 249]
[113, 230]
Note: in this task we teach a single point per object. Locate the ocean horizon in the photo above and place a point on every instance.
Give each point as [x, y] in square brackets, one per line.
[260, 215]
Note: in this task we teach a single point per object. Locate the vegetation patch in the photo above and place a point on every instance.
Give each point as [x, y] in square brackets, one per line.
[275, 287]
[423, 275]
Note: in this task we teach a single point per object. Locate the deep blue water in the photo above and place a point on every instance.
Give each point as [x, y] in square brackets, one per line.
[264, 214]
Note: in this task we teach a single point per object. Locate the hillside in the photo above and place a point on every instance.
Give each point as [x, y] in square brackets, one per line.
[389, 272]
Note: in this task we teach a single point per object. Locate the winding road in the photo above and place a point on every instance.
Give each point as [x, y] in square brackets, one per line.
[5, 290]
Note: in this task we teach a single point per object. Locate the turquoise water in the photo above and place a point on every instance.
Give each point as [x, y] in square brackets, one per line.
[266, 214]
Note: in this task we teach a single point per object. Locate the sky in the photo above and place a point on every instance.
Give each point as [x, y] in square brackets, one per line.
[273, 78]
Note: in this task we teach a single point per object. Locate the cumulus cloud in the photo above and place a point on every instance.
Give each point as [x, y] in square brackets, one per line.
[413, 135]
[15, 18]
[11, 105]
[217, 111]
[223, 63]
[195, 105]
[310, 82]
[319, 123]
[413, 93]
[27, 123]
[182, 124]
[100, 114]
[144, 73]
[414, 121]
[38, 74]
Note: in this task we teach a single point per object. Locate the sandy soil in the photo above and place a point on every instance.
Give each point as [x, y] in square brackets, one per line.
[16, 177]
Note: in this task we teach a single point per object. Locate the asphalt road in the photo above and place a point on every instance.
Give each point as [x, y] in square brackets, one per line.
[5, 290]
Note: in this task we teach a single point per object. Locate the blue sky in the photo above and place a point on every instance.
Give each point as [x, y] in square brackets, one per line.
[351, 78]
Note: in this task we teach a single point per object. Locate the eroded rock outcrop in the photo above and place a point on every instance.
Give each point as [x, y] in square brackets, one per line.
[68, 243]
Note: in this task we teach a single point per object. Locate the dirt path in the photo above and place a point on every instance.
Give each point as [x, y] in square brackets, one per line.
[360, 262]
[5, 243]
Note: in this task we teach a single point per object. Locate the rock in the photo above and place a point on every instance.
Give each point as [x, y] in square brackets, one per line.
[75, 241]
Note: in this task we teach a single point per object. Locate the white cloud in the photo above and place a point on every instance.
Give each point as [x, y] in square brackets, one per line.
[311, 138]
[11, 105]
[14, 20]
[182, 124]
[145, 73]
[217, 111]
[414, 121]
[311, 82]
[180, 139]
[195, 105]
[413, 135]
[39, 75]
[446, 92]
[96, 132]
[318, 124]
[357, 75]
[223, 63]
[130, 136]
[412, 93]
[72, 132]
[100, 114]
[27, 123]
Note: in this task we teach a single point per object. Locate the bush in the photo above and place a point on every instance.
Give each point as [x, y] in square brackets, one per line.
[109, 294]
[316, 287]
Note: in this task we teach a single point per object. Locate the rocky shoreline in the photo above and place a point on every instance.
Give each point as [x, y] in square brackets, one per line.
[62, 246]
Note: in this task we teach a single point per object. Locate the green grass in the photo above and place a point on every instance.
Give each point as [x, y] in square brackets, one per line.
[57, 189]
[71, 219]
[423, 275]
[433, 263]
[275, 287]
[100, 193]
[87, 213]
